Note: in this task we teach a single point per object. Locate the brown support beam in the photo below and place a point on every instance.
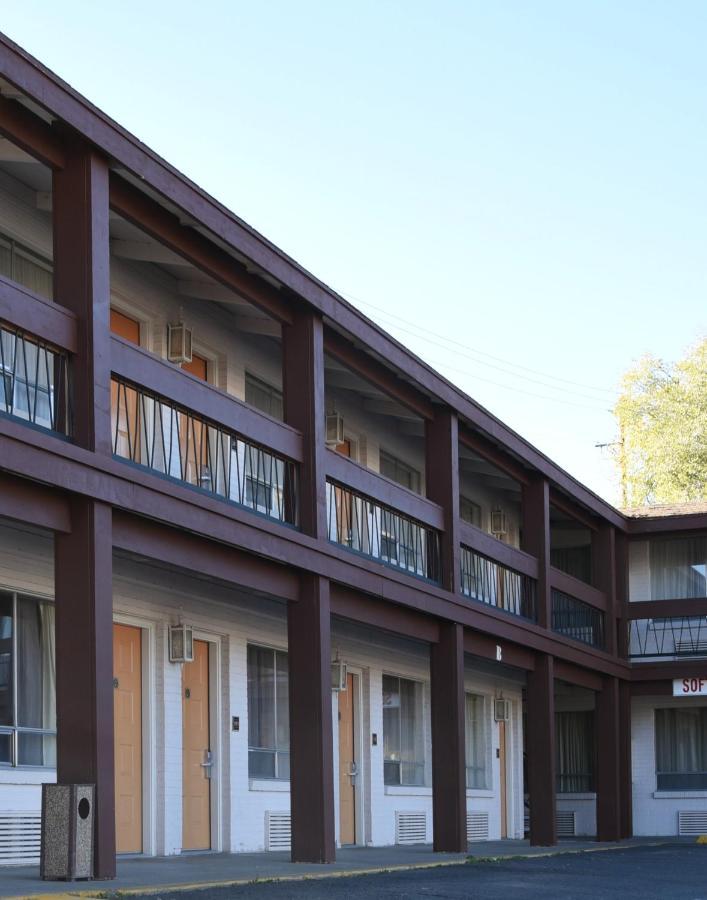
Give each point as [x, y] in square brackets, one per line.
[311, 735]
[536, 541]
[84, 667]
[442, 482]
[37, 315]
[493, 454]
[609, 786]
[30, 133]
[448, 747]
[303, 384]
[625, 765]
[82, 284]
[604, 577]
[540, 701]
[35, 504]
[621, 589]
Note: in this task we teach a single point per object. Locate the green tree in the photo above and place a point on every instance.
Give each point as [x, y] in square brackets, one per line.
[662, 417]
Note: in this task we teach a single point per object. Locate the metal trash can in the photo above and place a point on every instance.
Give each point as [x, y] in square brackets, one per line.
[67, 832]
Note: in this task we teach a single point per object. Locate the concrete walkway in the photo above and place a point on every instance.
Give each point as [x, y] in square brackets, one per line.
[141, 875]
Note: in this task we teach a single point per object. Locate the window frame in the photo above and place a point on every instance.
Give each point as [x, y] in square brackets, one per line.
[419, 764]
[697, 774]
[276, 750]
[14, 730]
[273, 393]
[482, 714]
[399, 464]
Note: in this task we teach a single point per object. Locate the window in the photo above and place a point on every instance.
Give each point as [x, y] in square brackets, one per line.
[475, 742]
[575, 752]
[27, 374]
[27, 682]
[400, 472]
[26, 268]
[678, 568]
[268, 714]
[470, 511]
[681, 749]
[263, 396]
[403, 738]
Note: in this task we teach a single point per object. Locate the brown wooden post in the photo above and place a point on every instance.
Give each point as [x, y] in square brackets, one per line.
[84, 666]
[604, 578]
[83, 558]
[536, 540]
[625, 766]
[608, 786]
[311, 735]
[448, 746]
[442, 484]
[621, 588]
[303, 389]
[540, 747]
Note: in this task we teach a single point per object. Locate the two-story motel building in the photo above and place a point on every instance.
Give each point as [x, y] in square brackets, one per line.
[394, 620]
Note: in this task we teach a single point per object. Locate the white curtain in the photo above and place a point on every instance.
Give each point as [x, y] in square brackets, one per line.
[678, 568]
[47, 614]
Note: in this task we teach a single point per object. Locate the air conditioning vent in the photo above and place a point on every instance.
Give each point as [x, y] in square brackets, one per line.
[692, 823]
[477, 827]
[410, 828]
[334, 430]
[278, 831]
[566, 823]
[179, 343]
[20, 836]
[501, 710]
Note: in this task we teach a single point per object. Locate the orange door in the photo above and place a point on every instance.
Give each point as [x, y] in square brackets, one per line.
[502, 777]
[123, 400]
[347, 764]
[127, 715]
[196, 745]
[193, 436]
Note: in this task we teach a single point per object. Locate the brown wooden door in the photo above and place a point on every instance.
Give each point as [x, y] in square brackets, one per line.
[502, 778]
[196, 744]
[127, 714]
[193, 436]
[347, 763]
[123, 399]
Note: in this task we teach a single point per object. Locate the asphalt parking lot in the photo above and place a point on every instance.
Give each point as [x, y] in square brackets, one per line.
[677, 872]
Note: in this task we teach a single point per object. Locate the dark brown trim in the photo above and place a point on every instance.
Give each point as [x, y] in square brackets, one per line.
[566, 505]
[377, 374]
[561, 581]
[487, 545]
[347, 603]
[666, 524]
[166, 228]
[667, 671]
[25, 501]
[609, 784]
[666, 609]
[572, 674]
[493, 454]
[35, 315]
[442, 486]
[540, 749]
[369, 483]
[536, 541]
[652, 688]
[28, 131]
[149, 371]
[485, 646]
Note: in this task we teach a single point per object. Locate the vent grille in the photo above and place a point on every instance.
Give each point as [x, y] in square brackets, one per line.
[477, 827]
[20, 837]
[566, 823]
[410, 828]
[692, 822]
[278, 831]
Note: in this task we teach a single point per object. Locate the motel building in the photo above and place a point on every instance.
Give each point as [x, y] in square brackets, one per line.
[267, 580]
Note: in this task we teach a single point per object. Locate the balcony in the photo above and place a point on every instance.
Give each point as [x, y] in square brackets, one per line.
[374, 517]
[34, 381]
[497, 585]
[671, 638]
[577, 620]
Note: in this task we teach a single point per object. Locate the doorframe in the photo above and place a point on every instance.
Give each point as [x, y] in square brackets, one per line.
[214, 642]
[364, 763]
[149, 728]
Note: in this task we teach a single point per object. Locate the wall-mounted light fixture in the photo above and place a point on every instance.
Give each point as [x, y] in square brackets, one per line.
[499, 526]
[179, 342]
[338, 674]
[181, 643]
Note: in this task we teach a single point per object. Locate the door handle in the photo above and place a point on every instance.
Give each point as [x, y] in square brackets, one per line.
[353, 769]
[207, 763]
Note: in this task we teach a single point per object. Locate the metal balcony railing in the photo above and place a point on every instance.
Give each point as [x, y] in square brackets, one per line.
[577, 620]
[366, 526]
[497, 585]
[172, 441]
[34, 381]
[676, 637]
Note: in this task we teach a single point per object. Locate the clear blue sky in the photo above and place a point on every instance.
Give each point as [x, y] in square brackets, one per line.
[506, 186]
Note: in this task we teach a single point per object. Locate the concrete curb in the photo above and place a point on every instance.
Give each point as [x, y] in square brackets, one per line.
[469, 859]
